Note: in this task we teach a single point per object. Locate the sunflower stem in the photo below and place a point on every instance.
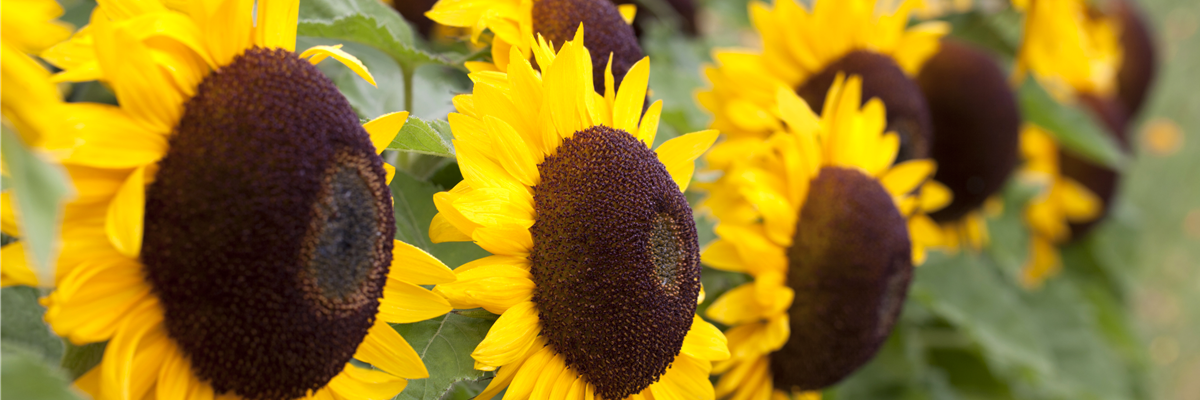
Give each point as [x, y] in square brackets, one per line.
[408, 72]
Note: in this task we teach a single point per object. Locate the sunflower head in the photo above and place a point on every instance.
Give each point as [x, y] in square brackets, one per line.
[596, 266]
[805, 50]
[976, 125]
[850, 262]
[234, 217]
[232, 174]
[830, 231]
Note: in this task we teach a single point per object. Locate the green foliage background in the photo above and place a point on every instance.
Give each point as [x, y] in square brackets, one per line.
[1120, 322]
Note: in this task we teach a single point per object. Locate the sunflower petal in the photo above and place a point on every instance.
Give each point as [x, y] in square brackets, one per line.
[405, 303]
[126, 215]
[362, 383]
[509, 338]
[384, 129]
[679, 155]
[319, 53]
[705, 342]
[386, 349]
[413, 265]
[631, 95]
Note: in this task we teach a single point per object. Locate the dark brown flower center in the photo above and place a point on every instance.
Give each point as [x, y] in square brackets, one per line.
[850, 264]
[975, 125]
[907, 113]
[268, 229]
[604, 33]
[615, 260]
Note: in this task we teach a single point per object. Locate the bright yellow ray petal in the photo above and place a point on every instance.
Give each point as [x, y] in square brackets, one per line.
[496, 208]
[276, 27]
[385, 128]
[704, 341]
[95, 299]
[628, 11]
[389, 172]
[504, 376]
[121, 377]
[405, 303]
[362, 383]
[387, 350]
[319, 53]
[509, 338]
[413, 265]
[627, 109]
[496, 288]
[679, 155]
[126, 215]
[905, 177]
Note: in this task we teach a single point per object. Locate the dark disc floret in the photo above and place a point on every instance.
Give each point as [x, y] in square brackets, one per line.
[268, 229]
[882, 78]
[1139, 62]
[850, 265]
[615, 260]
[604, 33]
[976, 125]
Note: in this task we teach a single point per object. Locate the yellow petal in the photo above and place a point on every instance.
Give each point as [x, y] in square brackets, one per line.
[504, 376]
[935, 196]
[512, 151]
[679, 155]
[319, 53]
[126, 215]
[722, 254]
[389, 172]
[95, 298]
[510, 242]
[413, 265]
[14, 267]
[441, 231]
[496, 288]
[628, 11]
[362, 383]
[631, 95]
[385, 128]
[276, 26]
[1079, 203]
[509, 338]
[704, 341]
[405, 303]
[129, 349]
[905, 177]
[387, 350]
[496, 208]
[648, 129]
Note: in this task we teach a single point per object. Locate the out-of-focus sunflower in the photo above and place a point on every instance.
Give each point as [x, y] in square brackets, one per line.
[804, 50]
[29, 105]
[1075, 52]
[1068, 51]
[233, 231]
[1064, 201]
[514, 24]
[830, 230]
[595, 269]
[976, 130]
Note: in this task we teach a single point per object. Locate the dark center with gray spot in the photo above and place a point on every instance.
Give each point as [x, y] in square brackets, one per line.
[268, 229]
[614, 259]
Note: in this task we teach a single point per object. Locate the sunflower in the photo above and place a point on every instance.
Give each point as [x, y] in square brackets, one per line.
[803, 51]
[515, 22]
[29, 105]
[829, 229]
[1068, 51]
[1062, 202]
[976, 130]
[595, 269]
[232, 235]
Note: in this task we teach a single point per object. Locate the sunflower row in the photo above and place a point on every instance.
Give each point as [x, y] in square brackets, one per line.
[232, 230]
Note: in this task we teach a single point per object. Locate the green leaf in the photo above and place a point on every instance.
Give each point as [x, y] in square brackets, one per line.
[414, 211]
[21, 323]
[1074, 128]
[28, 376]
[445, 345]
[78, 360]
[971, 295]
[423, 137]
[369, 22]
[40, 189]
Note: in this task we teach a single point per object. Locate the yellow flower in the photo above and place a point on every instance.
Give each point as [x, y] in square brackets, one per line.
[1062, 201]
[595, 266]
[802, 50]
[830, 230]
[232, 215]
[1067, 50]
